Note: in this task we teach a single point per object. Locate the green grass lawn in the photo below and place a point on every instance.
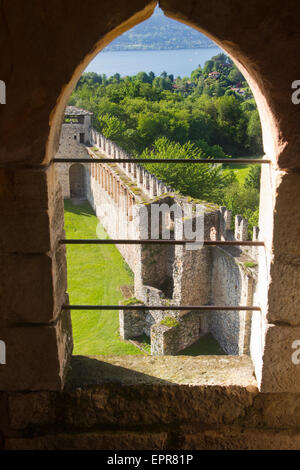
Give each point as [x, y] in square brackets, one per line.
[241, 171]
[95, 274]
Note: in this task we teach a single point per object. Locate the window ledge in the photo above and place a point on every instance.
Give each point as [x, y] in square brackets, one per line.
[224, 371]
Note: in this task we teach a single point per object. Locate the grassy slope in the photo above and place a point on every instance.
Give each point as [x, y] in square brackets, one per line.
[95, 274]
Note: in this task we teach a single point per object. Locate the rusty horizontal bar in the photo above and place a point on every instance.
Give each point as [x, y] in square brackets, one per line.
[162, 307]
[167, 160]
[158, 242]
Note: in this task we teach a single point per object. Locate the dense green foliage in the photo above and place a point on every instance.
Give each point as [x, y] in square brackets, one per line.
[134, 111]
[244, 198]
[211, 114]
[160, 32]
[205, 181]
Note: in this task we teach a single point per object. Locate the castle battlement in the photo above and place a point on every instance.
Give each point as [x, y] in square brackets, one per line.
[152, 187]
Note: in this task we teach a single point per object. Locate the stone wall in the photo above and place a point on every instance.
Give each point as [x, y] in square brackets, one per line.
[169, 340]
[70, 148]
[163, 402]
[233, 284]
[131, 323]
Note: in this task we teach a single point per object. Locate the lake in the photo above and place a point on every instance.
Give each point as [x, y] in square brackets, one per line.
[177, 62]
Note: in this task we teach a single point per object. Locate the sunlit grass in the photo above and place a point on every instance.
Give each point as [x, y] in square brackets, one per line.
[241, 171]
[95, 274]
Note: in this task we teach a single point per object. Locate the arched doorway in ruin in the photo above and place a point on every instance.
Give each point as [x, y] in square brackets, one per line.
[77, 181]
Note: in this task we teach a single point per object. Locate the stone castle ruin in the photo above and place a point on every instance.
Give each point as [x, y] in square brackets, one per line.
[122, 195]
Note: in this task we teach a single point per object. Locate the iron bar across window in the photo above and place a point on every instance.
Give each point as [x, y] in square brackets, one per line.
[166, 160]
[126, 241]
[162, 307]
[173, 242]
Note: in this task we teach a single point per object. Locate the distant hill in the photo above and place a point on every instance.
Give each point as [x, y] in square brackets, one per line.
[158, 33]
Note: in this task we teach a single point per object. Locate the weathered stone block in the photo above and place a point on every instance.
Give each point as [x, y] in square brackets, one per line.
[92, 441]
[31, 211]
[37, 357]
[33, 287]
[170, 340]
[275, 410]
[27, 189]
[132, 323]
[31, 409]
[279, 372]
[242, 439]
[284, 290]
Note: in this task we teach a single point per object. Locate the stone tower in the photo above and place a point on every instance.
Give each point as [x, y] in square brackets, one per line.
[75, 135]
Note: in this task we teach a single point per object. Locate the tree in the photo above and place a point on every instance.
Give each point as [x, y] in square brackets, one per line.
[143, 77]
[208, 67]
[254, 132]
[116, 78]
[205, 181]
[112, 128]
[252, 180]
[196, 74]
[235, 76]
[151, 76]
[243, 201]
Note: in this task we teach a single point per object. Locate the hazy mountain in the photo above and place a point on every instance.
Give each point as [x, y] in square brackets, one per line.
[160, 32]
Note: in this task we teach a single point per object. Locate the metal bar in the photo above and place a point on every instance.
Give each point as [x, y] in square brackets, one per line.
[155, 160]
[162, 307]
[158, 242]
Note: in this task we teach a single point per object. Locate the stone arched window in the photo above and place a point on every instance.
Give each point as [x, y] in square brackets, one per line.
[242, 31]
[269, 111]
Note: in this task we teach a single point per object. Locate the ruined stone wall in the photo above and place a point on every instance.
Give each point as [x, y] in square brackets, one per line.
[113, 204]
[121, 194]
[170, 340]
[232, 283]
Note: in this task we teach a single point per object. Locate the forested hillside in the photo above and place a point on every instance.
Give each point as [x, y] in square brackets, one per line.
[211, 114]
[160, 32]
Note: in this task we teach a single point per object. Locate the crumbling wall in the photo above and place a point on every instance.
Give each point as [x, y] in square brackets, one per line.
[123, 196]
[170, 340]
[232, 283]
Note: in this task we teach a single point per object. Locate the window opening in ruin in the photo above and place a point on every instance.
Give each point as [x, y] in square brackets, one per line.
[194, 297]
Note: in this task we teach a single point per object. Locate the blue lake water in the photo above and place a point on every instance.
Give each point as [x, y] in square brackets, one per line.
[177, 62]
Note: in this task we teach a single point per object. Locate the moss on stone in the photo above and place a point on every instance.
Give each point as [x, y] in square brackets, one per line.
[132, 301]
[171, 322]
[250, 264]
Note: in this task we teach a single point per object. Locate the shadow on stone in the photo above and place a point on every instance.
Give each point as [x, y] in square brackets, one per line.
[89, 370]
